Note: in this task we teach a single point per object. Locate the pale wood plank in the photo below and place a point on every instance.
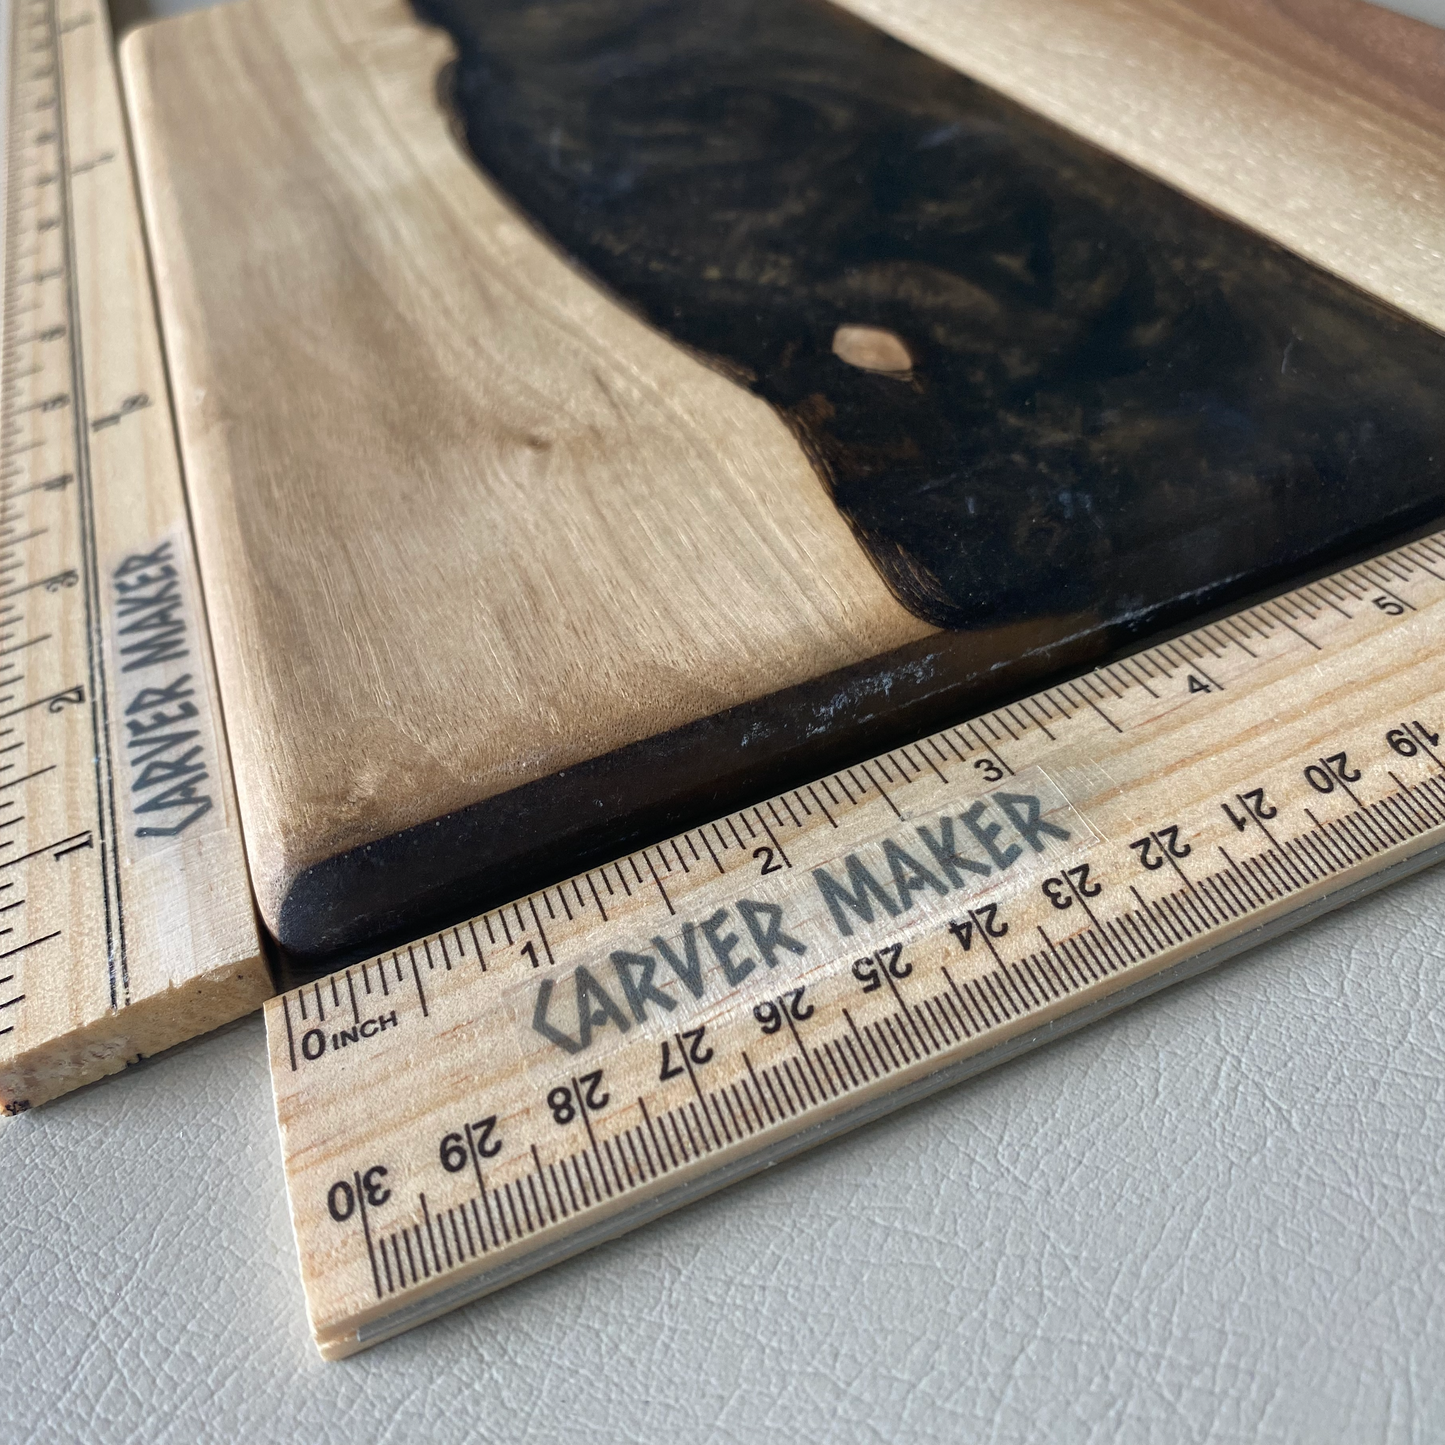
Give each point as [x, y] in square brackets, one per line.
[125, 943]
[1316, 122]
[389, 652]
[431, 1101]
[377, 361]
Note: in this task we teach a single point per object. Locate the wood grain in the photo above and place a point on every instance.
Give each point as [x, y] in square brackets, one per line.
[1317, 123]
[1112, 397]
[461, 1112]
[127, 923]
[391, 652]
[500, 571]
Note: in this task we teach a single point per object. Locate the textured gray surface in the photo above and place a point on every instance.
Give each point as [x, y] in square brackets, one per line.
[1220, 1216]
[1431, 10]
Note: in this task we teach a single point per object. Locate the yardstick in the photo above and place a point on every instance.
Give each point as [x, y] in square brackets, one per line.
[126, 923]
[460, 1112]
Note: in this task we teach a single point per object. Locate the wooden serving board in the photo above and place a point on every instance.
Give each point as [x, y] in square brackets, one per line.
[597, 415]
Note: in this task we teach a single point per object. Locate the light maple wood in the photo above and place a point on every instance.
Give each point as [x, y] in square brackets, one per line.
[380, 372]
[1316, 122]
[1197, 796]
[465, 522]
[116, 944]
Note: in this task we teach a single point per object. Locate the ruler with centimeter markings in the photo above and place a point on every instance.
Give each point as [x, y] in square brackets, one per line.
[495, 1097]
[125, 916]
[461, 1112]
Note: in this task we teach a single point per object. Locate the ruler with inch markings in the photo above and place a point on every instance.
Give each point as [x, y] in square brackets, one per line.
[463, 1111]
[125, 918]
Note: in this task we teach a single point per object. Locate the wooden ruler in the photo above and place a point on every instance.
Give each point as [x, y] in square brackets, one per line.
[125, 917]
[460, 1112]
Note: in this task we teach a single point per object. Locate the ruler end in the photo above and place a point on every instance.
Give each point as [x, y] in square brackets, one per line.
[105, 1045]
[340, 1347]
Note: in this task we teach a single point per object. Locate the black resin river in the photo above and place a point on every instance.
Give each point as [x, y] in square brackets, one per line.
[1120, 404]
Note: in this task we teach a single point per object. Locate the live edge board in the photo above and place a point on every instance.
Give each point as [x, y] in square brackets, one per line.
[635, 415]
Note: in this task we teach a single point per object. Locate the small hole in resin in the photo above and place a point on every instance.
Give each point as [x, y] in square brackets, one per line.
[871, 348]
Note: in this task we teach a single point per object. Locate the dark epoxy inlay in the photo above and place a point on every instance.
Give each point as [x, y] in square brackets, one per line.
[1120, 403]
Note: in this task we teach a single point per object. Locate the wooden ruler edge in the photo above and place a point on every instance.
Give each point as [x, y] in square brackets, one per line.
[1364, 875]
[484, 1281]
[423, 1311]
[183, 903]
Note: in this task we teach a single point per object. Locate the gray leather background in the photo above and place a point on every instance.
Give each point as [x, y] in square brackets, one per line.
[1220, 1216]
